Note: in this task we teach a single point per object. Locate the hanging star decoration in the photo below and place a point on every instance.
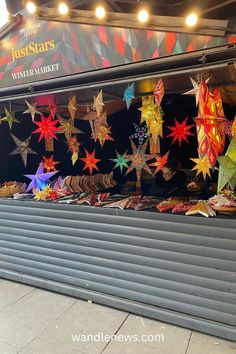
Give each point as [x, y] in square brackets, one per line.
[196, 89]
[32, 109]
[160, 162]
[22, 148]
[227, 167]
[74, 146]
[52, 106]
[72, 107]
[9, 118]
[159, 92]
[129, 95]
[98, 105]
[140, 133]
[47, 128]
[120, 161]
[38, 180]
[90, 162]
[49, 164]
[67, 127]
[180, 131]
[104, 134]
[202, 166]
[139, 160]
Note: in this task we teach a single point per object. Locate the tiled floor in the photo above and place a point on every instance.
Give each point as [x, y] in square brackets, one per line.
[34, 321]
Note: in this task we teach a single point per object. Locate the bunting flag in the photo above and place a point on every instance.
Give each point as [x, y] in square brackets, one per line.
[67, 127]
[159, 92]
[160, 162]
[49, 164]
[202, 166]
[22, 148]
[98, 105]
[104, 134]
[90, 162]
[140, 133]
[196, 89]
[227, 167]
[121, 161]
[9, 118]
[180, 131]
[72, 107]
[129, 95]
[32, 110]
[39, 179]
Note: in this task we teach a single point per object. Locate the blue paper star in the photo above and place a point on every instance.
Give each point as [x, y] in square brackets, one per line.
[129, 95]
[39, 179]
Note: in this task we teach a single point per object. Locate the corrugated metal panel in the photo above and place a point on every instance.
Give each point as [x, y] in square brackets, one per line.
[173, 268]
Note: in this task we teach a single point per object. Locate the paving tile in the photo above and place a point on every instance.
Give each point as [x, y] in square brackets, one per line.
[169, 339]
[25, 319]
[10, 292]
[6, 348]
[205, 344]
[85, 318]
[39, 346]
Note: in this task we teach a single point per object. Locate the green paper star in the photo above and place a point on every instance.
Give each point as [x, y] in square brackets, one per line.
[227, 168]
[121, 161]
[9, 118]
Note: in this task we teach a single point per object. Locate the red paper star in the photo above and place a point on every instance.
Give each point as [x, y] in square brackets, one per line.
[160, 162]
[180, 131]
[47, 128]
[90, 162]
[49, 164]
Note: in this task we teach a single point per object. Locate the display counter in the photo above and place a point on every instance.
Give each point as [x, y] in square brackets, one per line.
[172, 268]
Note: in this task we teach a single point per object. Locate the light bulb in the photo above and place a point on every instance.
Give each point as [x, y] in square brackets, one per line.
[191, 20]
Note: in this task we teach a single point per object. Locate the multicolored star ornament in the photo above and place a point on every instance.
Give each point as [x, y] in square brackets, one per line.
[139, 160]
[227, 167]
[160, 162]
[32, 109]
[22, 148]
[180, 131]
[98, 105]
[140, 133]
[121, 161]
[39, 179]
[90, 162]
[44, 194]
[103, 134]
[196, 89]
[9, 118]
[202, 166]
[129, 95]
[49, 164]
[67, 127]
[159, 92]
[47, 128]
[72, 107]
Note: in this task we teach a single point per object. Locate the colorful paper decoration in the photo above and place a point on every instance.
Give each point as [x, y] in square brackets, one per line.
[90, 161]
[103, 134]
[9, 118]
[202, 166]
[39, 179]
[72, 107]
[44, 194]
[98, 105]
[180, 131]
[22, 148]
[196, 89]
[74, 146]
[159, 92]
[129, 95]
[140, 133]
[47, 128]
[139, 160]
[52, 106]
[121, 161]
[227, 167]
[32, 109]
[49, 164]
[160, 162]
[67, 127]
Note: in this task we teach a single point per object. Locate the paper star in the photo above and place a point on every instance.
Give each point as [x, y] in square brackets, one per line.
[67, 127]
[32, 110]
[49, 164]
[140, 133]
[52, 106]
[121, 161]
[47, 128]
[159, 92]
[227, 168]
[180, 131]
[9, 118]
[22, 148]
[103, 134]
[90, 162]
[129, 95]
[196, 89]
[44, 194]
[148, 109]
[72, 107]
[39, 179]
[98, 103]
[160, 162]
[74, 146]
[202, 166]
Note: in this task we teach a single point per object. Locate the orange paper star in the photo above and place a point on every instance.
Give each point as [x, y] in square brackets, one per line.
[180, 131]
[160, 162]
[90, 161]
[49, 164]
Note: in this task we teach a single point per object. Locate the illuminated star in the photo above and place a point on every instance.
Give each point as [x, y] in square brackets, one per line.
[180, 131]
[22, 148]
[32, 110]
[103, 134]
[121, 161]
[202, 166]
[98, 103]
[160, 162]
[129, 95]
[47, 128]
[67, 127]
[227, 167]
[140, 133]
[9, 118]
[159, 92]
[196, 89]
[49, 164]
[72, 107]
[148, 109]
[90, 162]
[39, 179]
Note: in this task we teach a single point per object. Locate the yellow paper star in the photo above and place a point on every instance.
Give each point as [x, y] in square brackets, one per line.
[202, 166]
[9, 118]
[32, 110]
[98, 103]
[43, 195]
[103, 134]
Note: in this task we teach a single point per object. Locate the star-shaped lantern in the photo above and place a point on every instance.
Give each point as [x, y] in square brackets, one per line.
[202, 166]
[227, 168]
[103, 134]
[32, 109]
[98, 105]
[72, 107]
[121, 161]
[90, 161]
[129, 95]
[47, 128]
[74, 146]
[9, 118]
[22, 148]
[180, 131]
[39, 179]
[159, 92]
[52, 106]
[49, 164]
[67, 127]
[140, 133]
[160, 162]
[196, 89]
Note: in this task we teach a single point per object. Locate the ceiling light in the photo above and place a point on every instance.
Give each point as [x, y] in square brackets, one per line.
[191, 20]
[31, 7]
[63, 9]
[100, 12]
[143, 16]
